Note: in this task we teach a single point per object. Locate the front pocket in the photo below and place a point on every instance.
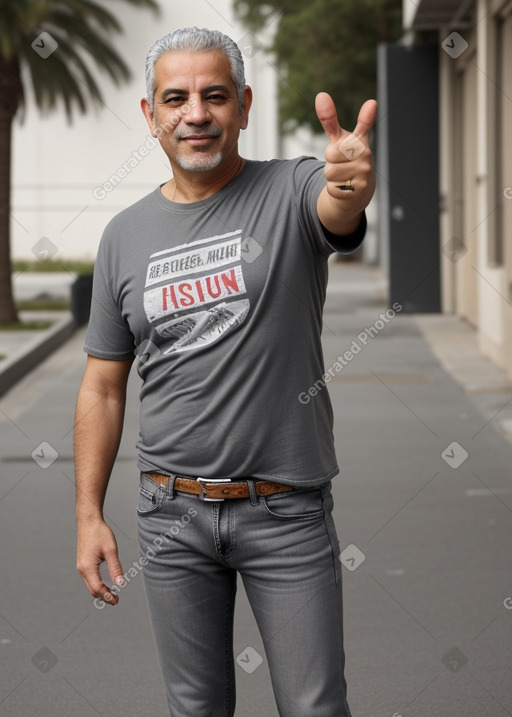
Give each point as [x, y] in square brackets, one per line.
[296, 505]
[149, 501]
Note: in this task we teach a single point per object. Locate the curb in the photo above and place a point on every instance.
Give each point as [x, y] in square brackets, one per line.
[41, 346]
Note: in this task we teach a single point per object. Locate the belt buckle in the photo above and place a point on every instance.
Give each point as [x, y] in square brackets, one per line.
[202, 481]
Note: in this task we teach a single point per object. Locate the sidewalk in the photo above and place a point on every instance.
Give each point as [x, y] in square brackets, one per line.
[423, 506]
[453, 342]
[21, 350]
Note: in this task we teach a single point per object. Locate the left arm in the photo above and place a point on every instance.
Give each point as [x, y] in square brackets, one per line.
[349, 165]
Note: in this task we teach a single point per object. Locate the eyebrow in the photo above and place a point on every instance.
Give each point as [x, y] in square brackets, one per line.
[207, 90]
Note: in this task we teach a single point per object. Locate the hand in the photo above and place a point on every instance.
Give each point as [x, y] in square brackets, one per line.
[96, 543]
[348, 157]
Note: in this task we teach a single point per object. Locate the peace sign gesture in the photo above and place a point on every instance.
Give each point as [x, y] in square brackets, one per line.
[348, 169]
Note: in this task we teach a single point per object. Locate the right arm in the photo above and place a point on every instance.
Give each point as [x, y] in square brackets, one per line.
[99, 420]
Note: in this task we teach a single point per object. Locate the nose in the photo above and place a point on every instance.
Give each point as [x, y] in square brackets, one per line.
[196, 111]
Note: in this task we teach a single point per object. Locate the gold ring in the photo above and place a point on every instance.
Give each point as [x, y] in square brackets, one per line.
[347, 187]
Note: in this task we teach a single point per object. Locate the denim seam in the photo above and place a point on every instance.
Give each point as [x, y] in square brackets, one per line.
[337, 583]
[216, 531]
[156, 498]
[223, 555]
[294, 516]
[231, 530]
[228, 632]
[329, 536]
[216, 528]
[340, 623]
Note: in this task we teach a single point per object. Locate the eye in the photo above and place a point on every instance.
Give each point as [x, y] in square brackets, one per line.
[174, 100]
[216, 98]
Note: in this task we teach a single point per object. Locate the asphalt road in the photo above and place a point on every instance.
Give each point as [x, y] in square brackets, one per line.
[423, 508]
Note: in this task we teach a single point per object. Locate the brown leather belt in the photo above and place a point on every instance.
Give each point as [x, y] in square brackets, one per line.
[220, 488]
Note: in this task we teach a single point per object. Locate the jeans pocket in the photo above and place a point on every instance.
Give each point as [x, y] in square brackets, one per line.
[151, 497]
[301, 504]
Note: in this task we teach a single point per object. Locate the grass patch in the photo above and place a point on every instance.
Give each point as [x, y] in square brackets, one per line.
[74, 267]
[24, 325]
[43, 305]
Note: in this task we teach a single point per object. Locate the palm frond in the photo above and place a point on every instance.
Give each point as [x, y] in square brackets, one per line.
[83, 30]
[87, 39]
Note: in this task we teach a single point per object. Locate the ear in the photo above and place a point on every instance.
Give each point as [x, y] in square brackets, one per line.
[246, 107]
[148, 114]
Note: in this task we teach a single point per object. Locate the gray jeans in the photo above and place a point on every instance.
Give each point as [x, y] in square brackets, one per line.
[286, 550]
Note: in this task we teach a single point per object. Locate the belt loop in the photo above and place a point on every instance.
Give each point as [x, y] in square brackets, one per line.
[170, 487]
[252, 492]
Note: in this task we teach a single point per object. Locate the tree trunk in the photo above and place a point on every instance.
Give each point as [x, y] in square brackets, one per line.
[9, 99]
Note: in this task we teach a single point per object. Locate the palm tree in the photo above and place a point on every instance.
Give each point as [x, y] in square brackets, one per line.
[51, 39]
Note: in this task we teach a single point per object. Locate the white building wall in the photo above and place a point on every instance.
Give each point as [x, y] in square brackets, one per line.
[57, 167]
[473, 186]
[491, 279]
[409, 10]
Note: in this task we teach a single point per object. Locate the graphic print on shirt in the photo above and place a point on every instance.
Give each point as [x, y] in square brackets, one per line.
[192, 292]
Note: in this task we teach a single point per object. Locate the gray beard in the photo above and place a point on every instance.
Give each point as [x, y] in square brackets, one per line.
[200, 162]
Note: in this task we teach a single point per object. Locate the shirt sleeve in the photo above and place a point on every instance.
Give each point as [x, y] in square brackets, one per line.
[309, 181]
[108, 335]
[350, 242]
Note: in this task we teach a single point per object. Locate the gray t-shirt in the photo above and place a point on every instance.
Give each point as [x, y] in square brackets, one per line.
[221, 301]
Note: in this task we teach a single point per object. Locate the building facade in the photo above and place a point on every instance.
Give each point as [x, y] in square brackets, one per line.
[475, 122]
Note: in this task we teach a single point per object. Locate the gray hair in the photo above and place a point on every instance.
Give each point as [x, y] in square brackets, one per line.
[196, 40]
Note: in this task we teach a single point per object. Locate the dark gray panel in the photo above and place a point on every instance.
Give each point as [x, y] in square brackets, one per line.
[408, 166]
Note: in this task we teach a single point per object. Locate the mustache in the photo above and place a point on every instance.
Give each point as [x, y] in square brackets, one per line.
[203, 129]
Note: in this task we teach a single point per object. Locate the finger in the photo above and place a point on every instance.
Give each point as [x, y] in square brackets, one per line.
[354, 144]
[366, 118]
[326, 113]
[114, 567]
[97, 587]
[339, 173]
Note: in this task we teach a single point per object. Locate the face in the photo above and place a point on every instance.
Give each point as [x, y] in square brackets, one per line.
[196, 115]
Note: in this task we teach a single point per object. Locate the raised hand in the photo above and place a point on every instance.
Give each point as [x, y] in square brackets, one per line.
[349, 167]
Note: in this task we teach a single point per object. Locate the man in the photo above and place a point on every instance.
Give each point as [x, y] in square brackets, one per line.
[216, 281]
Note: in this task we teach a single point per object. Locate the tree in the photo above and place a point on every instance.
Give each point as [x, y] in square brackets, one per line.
[53, 40]
[328, 45]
